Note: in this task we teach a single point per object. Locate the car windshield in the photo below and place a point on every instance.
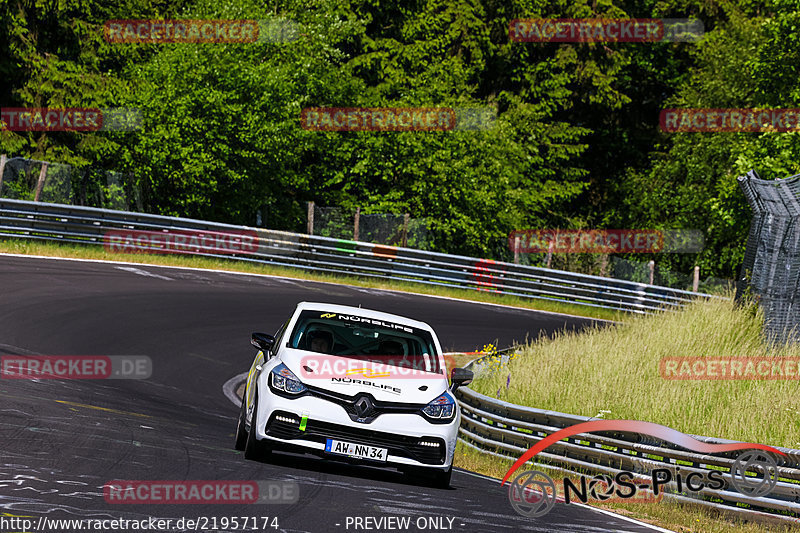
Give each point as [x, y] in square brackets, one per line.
[365, 338]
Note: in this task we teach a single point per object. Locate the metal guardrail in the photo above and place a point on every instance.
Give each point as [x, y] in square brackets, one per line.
[87, 225]
[509, 430]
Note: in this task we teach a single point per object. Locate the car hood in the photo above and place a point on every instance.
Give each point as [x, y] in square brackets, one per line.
[349, 377]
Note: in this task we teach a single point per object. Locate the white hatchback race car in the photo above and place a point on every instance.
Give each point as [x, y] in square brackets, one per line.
[356, 385]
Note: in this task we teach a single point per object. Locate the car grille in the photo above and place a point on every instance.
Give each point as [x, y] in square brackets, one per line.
[316, 431]
[376, 408]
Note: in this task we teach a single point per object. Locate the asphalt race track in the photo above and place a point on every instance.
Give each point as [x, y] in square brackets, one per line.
[61, 441]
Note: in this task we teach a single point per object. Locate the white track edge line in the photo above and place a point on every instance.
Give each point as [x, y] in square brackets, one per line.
[230, 386]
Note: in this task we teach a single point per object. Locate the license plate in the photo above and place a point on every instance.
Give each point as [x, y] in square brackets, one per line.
[359, 451]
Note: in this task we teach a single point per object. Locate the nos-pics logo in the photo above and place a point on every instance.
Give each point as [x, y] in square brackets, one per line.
[533, 493]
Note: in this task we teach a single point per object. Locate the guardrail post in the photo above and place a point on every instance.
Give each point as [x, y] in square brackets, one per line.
[310, 225]
[516, 249]
[40, 183]
[696, 280]
[652, 266]
[2, 169]
[406, 218]
[355, 223]
[550, 249]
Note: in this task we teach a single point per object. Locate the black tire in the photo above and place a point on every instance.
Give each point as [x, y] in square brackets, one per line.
[241, 429]
[255, 449]
[441, 480]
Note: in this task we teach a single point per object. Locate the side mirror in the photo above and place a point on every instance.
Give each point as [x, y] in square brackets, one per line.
[461, 376]
[262, 341]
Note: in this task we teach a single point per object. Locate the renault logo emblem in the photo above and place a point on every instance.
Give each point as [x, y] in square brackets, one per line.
[362, 406]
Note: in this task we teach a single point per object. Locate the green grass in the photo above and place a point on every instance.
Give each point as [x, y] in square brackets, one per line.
[21, 246]
[613, 372]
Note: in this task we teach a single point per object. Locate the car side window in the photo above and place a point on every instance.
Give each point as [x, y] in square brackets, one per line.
[274, 351]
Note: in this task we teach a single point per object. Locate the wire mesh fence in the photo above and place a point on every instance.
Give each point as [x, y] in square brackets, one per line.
[639, 272]
[31, 179]
[120, 192]
[378, 228]
[771, 269]
[393, 229]
[333, 222]
[613, 266]
[46, 181]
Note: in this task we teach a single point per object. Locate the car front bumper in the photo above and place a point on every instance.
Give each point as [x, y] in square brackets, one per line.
[410, 440]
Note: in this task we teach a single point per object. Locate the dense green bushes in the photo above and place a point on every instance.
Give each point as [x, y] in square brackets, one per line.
[576, 143]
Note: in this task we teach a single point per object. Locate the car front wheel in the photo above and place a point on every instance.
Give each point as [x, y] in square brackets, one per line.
[441, 480]
[241, 430]
[255, 449]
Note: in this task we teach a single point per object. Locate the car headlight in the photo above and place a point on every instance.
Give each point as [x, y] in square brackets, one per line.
[282, 379]
[441, 409]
